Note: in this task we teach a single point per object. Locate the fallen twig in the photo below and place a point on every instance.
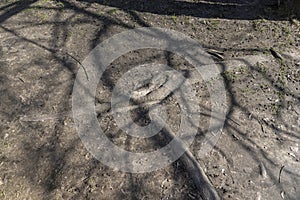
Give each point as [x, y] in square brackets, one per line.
[276, 54]
[280, 171]
[215, 53]
[263, 171]
[65, 52]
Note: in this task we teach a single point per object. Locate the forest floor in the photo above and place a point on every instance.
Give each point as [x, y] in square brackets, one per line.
[43, 42]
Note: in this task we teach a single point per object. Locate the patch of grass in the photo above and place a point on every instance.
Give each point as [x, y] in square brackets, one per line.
[259, 25]
[112, 11]
[29, 10]
[43, 16]
[60, 4]
[174, 18]
[214, 23]
[2, 194]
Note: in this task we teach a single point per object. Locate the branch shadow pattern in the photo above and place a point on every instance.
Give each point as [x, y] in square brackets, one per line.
[57, 154]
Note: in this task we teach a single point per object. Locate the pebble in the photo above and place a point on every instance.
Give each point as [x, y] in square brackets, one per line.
[294, 149]
[5, 136]
[282, 194]
[263, 171]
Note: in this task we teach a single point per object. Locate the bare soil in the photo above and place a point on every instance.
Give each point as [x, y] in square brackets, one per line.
[42, 43]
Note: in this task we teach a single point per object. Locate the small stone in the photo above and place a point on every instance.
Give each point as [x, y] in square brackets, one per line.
[250, 116]
[263, 171]
[88, 156]
[292, 155]
[294, 149]
[5, 136]
[223, 171]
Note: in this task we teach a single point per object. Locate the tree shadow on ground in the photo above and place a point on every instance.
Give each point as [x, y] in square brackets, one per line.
[47, 159]
[241, 10]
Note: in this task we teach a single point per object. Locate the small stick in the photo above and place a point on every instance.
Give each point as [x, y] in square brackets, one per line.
[263, 170]
[216, 54]
[280, 171]
[233, 121]
[276, 54]
[87, 77]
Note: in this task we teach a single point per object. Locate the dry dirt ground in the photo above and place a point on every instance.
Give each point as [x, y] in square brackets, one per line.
[42, 41]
